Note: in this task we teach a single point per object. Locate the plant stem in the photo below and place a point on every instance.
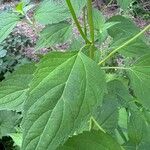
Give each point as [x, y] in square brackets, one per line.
[76, 21]
[90, 19]
[123, 68]
[92, 120]
[84, 20]
[124, 44]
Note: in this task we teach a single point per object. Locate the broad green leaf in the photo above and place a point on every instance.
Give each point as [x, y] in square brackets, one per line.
[94, 140]
[65, 89]
[136, 128]
[13, 89]
[139, 75]
[136, 48]
[124, 31]
[107, 115]
[7, 22]
[52, 11]
[8, 121]
[124, 27]
[54, 34]
[120, 91]
[124, 4]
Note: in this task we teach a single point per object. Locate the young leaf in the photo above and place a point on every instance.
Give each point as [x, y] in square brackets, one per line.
[65, 89]
[139, 75]
[13, 89]
[7, 22]
[54, 34]
[52, 11]
[94, 140]
[99, 24]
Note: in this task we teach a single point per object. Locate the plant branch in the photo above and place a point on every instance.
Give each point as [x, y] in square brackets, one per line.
[76, 21]
[124, 44]
[122, 68]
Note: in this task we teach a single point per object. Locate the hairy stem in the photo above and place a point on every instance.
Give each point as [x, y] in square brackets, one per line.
[124, 44]
[90, 19]
[76, 21]
[84, 20]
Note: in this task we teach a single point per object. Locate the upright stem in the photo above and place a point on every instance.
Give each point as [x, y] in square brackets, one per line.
[76, 21]
[90, 19]
[124, 44]
[84, 20]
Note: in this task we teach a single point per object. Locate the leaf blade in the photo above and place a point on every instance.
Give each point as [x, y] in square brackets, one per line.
[59, 107]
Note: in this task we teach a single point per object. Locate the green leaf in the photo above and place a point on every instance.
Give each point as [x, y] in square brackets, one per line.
[98, 19]
[136, 48]
[19, 8]
[52, 11]
[124, 27]
[124, 4]
[14, 87]
[122, 32]
[122, 125]
[54, 34]
[107, 115]
[136, 128]
[129, 146]
[94, 140]
[139, 75]
[17, 138]
[64, 92]
[7, 22]
[8, 121]
[76, 44]
[120, 91]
